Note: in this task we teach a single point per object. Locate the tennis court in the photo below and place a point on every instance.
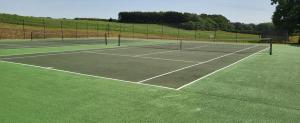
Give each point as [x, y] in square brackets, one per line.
[172, 65]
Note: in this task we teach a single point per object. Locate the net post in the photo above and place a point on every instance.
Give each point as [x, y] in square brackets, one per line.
[271, 46]
[105, 38]
[119, 40]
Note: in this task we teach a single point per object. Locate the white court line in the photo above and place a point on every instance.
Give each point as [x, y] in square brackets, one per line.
[50, 68]
[219, 70]
[155, 53]
[32, 56]
[195, 64]
[175, 60]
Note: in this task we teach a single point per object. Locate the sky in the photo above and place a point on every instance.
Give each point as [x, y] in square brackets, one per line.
[246, 11]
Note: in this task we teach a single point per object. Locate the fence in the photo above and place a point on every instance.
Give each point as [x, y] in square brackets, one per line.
[280, 36]
[60, 28]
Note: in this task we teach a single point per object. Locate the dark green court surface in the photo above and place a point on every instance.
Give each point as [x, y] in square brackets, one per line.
[161, 67]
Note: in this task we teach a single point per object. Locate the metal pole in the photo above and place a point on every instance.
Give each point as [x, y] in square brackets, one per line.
[108, 29]
[61, 29]
[298, 39]
[0, 34]
[162, 31]
[147, 31]
[44, 24]
[105, 38]
[24, 35]
[31, 36]
[236, 36]
[215, 35]
[178, 33]
[271, 46]
[132, 30]
[287, 37]
[76, 30]
[97, 30]
[120, 31]
[119, 40]
[180, 45]
[196, 32]
[87, 30]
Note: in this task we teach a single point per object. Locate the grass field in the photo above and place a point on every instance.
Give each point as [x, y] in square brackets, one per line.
[11, 27]
[261, 88]
[294, 39]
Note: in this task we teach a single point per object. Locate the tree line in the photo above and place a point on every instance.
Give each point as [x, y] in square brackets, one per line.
[191, 21]
[287, 15]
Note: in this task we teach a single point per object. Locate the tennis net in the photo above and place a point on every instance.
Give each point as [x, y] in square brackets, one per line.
[226, 46]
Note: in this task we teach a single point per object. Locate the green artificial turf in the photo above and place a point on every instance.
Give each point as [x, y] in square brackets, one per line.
[262, 88]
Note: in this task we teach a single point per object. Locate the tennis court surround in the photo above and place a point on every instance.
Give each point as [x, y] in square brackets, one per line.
[172, 65]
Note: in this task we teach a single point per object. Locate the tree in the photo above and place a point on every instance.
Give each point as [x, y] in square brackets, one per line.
[265, 27]
[287, 15]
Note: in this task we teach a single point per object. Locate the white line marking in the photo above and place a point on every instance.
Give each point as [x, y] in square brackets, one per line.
[196, 47]
[219, 70]
[155, 53]
[195, 64]
[32, 56]
[175, 60]
[50, 68]
[107, 54]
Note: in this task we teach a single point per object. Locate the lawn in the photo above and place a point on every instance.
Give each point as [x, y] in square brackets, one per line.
[261, 88]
